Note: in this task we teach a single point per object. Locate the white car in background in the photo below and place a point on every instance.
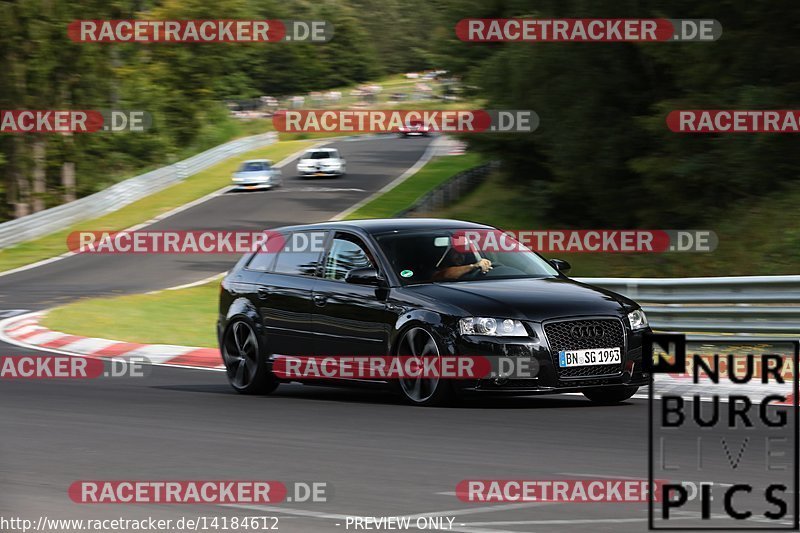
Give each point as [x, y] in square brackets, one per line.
[321, 162]
[257, 174]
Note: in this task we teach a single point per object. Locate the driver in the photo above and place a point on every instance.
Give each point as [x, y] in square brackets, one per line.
[454, 266]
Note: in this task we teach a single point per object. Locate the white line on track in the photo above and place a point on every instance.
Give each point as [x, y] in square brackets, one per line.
[421, 162]
[426, 156]
[462, 528]
[316, 189]
[481, 527]
[197, 283]
[162, 216]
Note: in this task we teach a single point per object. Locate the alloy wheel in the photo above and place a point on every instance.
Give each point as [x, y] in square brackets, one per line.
[419, 344]
[240, 354]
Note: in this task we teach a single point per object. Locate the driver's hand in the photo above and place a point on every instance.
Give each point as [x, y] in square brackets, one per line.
[485, 265]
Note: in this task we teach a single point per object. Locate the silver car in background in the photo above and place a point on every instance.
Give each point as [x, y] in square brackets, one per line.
[321, 162]
[257, 174]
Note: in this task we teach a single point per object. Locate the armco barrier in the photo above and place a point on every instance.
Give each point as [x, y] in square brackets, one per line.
[123, 193]
[450, 191]
[737, 304]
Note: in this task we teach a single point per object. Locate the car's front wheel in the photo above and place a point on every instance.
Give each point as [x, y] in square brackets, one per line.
[245, 364]
[420, 344]
[611, 395]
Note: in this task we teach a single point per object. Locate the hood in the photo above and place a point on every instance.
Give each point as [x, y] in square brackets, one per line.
[533, 299]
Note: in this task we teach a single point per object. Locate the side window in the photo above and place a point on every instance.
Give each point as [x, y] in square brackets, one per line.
[301, 255]
[262, 261]
[347, 253]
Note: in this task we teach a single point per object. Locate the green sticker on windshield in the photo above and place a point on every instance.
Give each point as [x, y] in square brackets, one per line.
[407, 273]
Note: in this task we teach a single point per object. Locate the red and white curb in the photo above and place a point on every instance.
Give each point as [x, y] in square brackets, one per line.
[26, 331]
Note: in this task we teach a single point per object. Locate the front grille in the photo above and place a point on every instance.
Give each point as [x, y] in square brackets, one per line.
[559, 336]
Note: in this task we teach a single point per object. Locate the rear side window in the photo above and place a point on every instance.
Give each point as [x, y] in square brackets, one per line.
[262, 261]
[301, 254]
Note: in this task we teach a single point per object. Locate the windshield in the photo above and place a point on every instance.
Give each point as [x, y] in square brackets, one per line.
[253, 166]
[320, 155]
[444, 255]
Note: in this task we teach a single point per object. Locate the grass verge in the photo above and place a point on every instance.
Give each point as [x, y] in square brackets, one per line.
[184, 316]
[190, 189]
[757, 237]
[437, 171]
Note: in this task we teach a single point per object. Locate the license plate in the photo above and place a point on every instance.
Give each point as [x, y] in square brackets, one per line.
[591, 357]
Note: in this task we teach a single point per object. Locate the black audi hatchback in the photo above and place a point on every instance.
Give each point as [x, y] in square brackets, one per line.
[406, 287]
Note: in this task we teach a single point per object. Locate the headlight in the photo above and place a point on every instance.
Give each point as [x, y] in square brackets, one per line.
[495, 327]
[637, 319]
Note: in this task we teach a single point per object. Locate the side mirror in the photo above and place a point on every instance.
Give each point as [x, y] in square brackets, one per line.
[363, 276]
[561, 265]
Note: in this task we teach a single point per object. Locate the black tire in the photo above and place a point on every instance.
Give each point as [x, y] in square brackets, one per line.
[611, 395]
[419, 341]
[244, 359]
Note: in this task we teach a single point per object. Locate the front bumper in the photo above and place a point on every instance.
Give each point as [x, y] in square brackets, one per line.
[253, 184]
[548, 378]
[314, 172]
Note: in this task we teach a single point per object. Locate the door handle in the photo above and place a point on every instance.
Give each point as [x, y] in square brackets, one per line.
[263, 293]
[320, 300]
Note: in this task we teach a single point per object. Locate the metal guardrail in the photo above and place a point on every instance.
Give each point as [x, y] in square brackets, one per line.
[123, 193]
[740, 304]
[448, 192]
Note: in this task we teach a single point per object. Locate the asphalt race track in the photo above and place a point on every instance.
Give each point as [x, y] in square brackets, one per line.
[371, 164]
[378, 456]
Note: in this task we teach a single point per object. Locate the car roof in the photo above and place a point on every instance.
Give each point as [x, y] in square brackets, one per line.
[257, 161]
[377, 226]
[321, 150]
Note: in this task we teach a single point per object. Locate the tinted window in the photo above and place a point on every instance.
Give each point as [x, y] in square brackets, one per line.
[320, 155]
[346, 254]
[301, 255]
[262, 261]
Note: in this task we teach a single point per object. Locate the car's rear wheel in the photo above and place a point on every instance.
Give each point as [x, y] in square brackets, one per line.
[419, 344]
[611, 395]
[245, 364]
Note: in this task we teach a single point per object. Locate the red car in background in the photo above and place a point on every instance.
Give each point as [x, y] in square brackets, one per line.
[414, 128]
